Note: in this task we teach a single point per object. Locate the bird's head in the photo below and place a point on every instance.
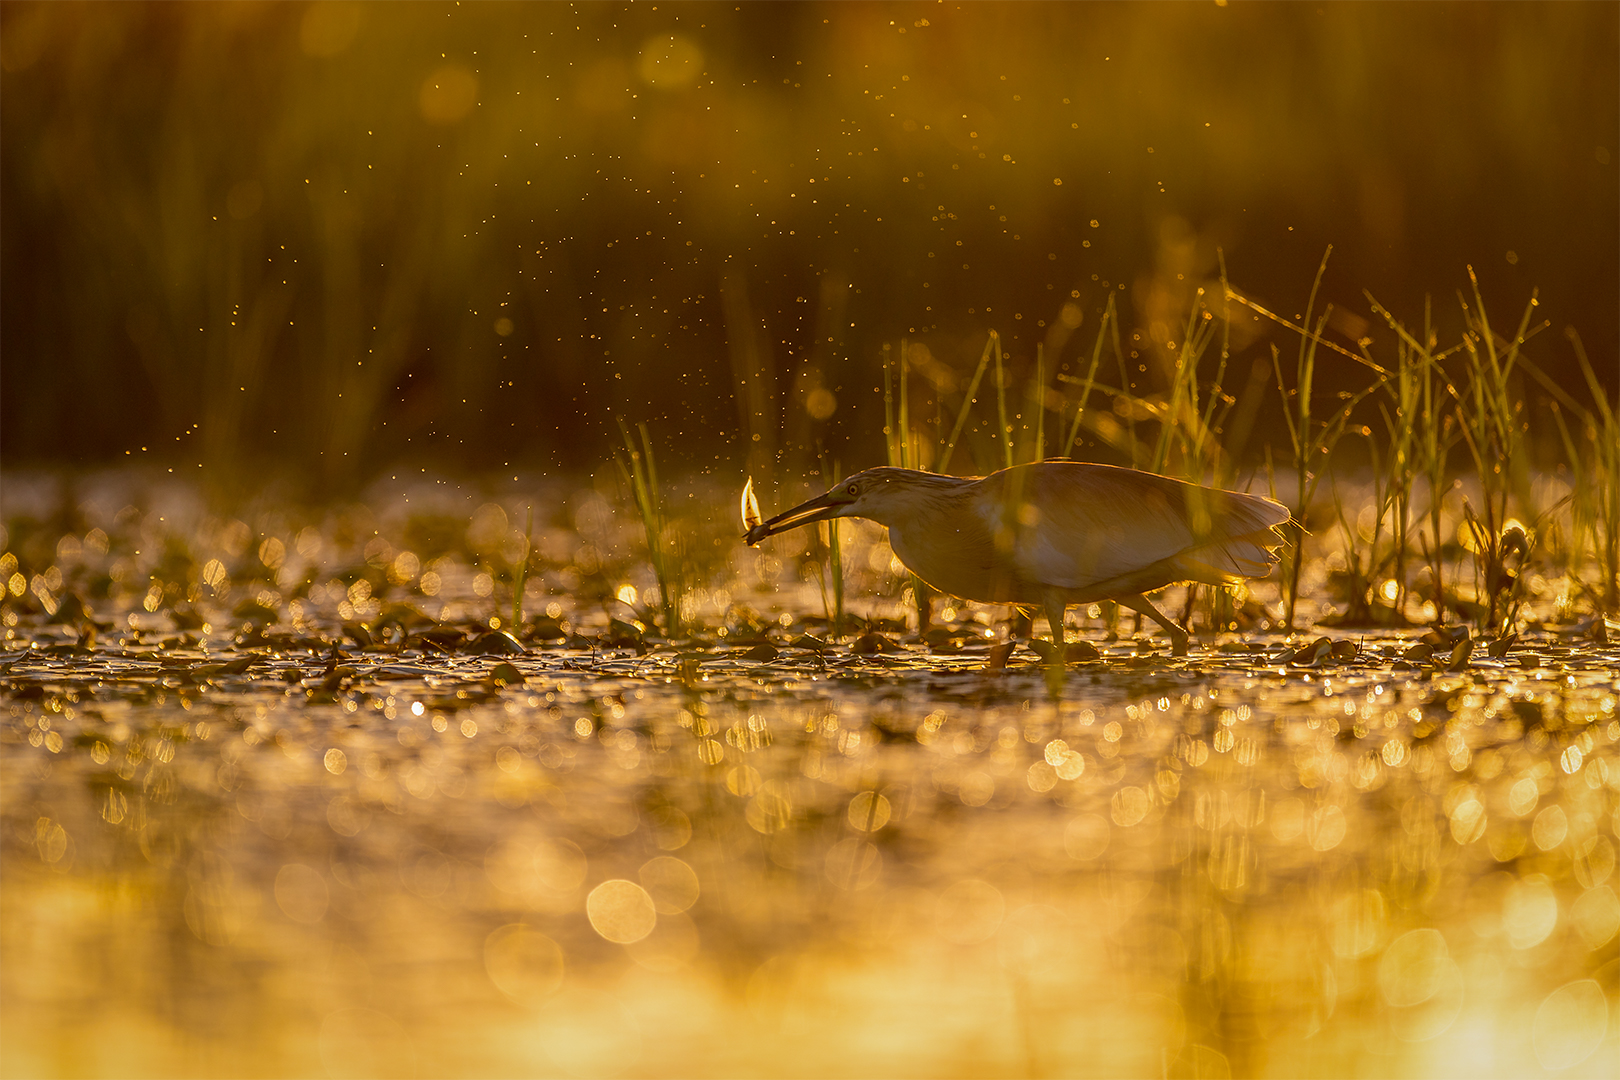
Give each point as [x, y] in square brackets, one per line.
[870, 494]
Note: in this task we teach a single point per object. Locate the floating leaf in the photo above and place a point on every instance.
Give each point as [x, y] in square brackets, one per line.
[504, 674]
[496, 642]
[1446, 637]
[545, 628]
[872, 642]
[187, 619]
[1081, 650]
[442, 638]
[1314, 653]
[1499, 648]
[1073, 652]
[623, 635]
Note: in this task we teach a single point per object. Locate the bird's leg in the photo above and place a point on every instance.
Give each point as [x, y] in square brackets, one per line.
[924, 597]
[1053, 602]
[1192, 600]
[1144, 606]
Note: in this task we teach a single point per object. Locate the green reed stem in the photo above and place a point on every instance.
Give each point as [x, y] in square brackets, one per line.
[520, 572]
[835, 555]
[1091, 376]
[1005, 429]
[991, 343]
[891, 456]
[1039, 453]
[642, 478]
[907, 457]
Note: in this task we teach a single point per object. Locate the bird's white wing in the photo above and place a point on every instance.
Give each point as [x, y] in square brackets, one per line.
[1079, 525]
[1240, 544]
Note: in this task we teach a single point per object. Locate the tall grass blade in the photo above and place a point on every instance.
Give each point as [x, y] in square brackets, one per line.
[1040, 403]
[891, 454]
[641, 475]
[1091, 377]
[967, 402]
[1005, 429]
[835, 555]
[520, 572]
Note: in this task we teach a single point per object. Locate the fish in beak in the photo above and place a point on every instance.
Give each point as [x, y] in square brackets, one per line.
[750, 506]
[820, 508]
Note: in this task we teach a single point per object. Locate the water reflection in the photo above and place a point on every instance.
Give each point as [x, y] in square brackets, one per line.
[601, 873]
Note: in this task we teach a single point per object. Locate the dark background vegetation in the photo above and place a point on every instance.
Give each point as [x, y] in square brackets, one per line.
[331, 239]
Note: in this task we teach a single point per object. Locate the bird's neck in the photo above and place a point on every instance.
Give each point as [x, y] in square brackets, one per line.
[934, 525]
[924, 499]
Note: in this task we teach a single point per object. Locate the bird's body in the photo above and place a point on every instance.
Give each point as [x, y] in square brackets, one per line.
[1055, 533]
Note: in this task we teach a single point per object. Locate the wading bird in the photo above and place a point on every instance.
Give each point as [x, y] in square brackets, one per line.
[1054, 533]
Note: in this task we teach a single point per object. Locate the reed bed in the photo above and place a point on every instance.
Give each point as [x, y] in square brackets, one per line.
[1434, 491]
[1457, 483]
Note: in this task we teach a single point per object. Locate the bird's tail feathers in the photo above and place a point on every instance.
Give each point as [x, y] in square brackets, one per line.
[1229, 561]
[1247, 515]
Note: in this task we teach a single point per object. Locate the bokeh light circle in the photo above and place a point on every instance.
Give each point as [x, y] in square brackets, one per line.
[621, 911]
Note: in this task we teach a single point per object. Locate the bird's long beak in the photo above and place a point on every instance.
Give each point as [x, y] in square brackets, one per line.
[820, 508]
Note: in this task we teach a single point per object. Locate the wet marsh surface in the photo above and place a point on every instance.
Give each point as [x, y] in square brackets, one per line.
[271, 822]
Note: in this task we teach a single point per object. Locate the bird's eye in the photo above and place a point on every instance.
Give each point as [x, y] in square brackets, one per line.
[853, 490]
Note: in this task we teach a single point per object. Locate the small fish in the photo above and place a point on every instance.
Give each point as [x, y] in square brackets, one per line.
[751, 516]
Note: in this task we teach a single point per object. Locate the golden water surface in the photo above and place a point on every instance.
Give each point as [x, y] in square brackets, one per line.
[708, 863]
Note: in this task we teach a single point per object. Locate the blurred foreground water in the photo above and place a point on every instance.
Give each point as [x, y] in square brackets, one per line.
[269, 822]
